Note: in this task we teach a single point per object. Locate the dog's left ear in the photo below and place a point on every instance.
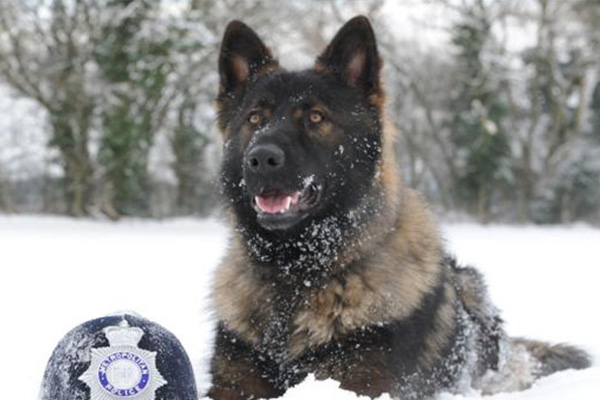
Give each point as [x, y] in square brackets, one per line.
[352, 56]
[243, 55]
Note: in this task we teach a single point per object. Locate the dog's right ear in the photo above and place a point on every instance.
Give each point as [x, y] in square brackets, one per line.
[243, 56]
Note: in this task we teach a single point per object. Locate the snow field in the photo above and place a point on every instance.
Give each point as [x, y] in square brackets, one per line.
[57, 273]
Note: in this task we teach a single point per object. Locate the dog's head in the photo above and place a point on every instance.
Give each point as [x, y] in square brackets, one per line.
[299, 146]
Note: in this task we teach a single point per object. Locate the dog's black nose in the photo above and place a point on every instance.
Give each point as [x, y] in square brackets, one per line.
[265, 158]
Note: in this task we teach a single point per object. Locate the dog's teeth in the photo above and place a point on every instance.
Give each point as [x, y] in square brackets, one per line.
[288, 203]
[295, 197]
[257, 203]
[275, 205]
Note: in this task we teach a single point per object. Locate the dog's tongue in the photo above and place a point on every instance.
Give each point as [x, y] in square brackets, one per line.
[276, 204]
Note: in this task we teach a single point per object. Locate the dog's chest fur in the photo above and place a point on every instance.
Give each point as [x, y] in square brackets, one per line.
[286, 320]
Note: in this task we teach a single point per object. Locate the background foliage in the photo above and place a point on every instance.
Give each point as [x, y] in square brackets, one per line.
[107, 105]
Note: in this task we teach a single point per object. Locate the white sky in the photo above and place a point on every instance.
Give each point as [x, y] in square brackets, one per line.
[419, 22]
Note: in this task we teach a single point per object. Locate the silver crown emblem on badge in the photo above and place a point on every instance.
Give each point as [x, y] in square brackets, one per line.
[123, 335]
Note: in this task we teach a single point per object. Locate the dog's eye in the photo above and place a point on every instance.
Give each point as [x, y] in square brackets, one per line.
[315, 117]
[254, 118]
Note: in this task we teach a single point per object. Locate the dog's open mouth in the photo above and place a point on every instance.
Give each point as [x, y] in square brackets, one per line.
[280, 209]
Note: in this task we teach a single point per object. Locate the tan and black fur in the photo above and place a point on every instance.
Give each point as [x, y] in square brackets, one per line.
[355, 287]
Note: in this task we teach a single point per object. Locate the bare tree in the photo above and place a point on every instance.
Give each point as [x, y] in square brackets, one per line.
[45, 53]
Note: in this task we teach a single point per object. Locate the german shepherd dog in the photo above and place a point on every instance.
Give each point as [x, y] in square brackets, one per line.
[336, 268]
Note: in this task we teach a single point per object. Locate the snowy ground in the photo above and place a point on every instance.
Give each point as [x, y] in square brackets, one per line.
[57, 273]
